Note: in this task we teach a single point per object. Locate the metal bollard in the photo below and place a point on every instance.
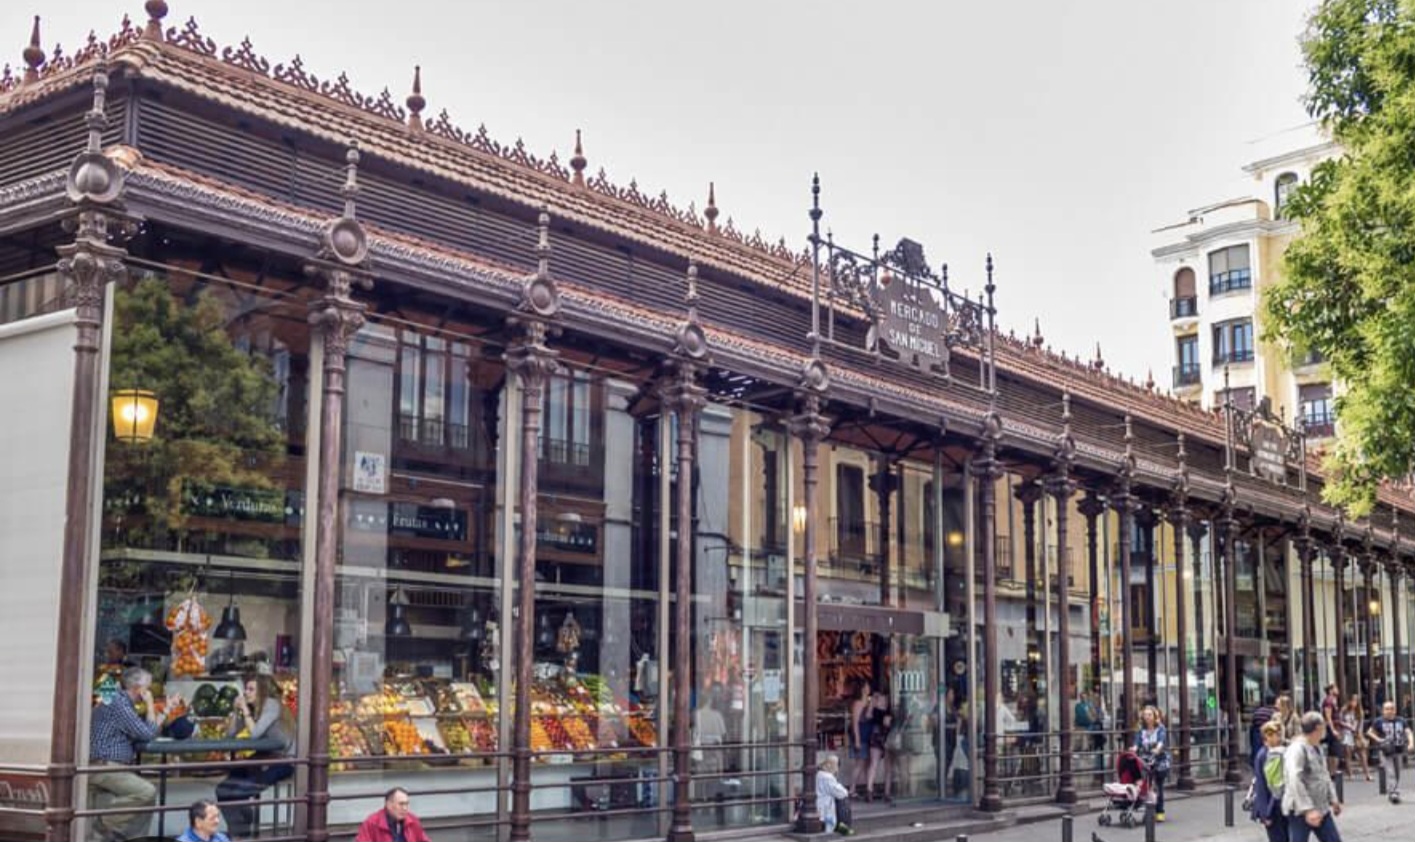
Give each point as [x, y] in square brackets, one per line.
[1150, 824]
[1066, 827]
[1341, 786]
[1381, 776]
[1228, 805]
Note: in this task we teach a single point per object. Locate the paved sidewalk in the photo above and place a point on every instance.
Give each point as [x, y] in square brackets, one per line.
[1368, 816]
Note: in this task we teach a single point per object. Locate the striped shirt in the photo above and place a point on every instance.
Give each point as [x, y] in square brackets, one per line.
[116, 727]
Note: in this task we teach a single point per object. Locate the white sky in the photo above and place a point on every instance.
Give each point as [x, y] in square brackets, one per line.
[1055, 133]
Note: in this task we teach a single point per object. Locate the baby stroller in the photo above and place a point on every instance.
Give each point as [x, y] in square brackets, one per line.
[1130, 793]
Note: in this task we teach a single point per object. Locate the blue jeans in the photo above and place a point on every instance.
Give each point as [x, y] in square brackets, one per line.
[1299, 831]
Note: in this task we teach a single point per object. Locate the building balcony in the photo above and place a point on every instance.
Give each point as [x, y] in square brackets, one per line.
[1187, 374]
[1183, 308]
[1319, 426]
[1240, 355]
[1232, 281]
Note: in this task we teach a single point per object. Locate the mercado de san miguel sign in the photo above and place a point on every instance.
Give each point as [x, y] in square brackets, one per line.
[1272, 446]
[912, 317]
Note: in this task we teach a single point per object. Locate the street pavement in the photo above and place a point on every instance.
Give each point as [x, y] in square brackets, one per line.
[1367, 816]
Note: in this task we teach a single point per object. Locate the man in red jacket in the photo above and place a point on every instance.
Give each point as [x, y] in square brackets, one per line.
[394, 823]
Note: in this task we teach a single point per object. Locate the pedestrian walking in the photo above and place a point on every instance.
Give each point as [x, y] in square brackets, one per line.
[1268, 785]
[1308, 797]
[1392, 739]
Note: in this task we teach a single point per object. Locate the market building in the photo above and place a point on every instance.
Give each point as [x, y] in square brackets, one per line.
[552, 502]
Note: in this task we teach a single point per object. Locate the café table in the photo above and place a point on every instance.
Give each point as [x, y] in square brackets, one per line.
[165, 748]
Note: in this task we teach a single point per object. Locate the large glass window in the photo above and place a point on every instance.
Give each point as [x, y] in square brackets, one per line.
[1233, 341]
[1229, 270]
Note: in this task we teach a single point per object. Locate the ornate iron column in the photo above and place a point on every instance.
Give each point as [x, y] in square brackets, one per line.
[987, 469]
[1028, 493]
[1338, 567]
[1146, 518]
[1227, 526]
[1061, 487]
[681, 394]
[810, 426]
[1368, 581]
[1091, 508]
[86, 266]
[533, 363]
[884, 484]
[1311, 697]
[1179, 519]
[1123, 501]
[336, 317]
[1393, 573]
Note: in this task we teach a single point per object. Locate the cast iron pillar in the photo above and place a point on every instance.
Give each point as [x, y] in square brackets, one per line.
[1061, 487]
[1338, 568]
[529, 358]
[682, 395]
[1227, 526]
[336, 317]
[987, 470]
[884, 484]
[1397, 608]
[1123, 501]
[1368, 657]
[86, 266]
[1179, 519]
[1311, 695]
[1091, 508]
[1028, 493]
[810, 426]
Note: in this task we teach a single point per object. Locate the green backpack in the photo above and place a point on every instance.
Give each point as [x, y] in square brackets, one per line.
[1273, 772]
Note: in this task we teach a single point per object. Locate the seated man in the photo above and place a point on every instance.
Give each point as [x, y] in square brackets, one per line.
[204, 817]
[394, 823]
[116, 732]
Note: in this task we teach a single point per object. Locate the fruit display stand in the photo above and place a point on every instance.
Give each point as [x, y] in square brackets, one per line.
[580, 731]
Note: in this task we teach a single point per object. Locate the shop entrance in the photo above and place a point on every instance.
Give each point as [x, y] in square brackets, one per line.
[878, 709]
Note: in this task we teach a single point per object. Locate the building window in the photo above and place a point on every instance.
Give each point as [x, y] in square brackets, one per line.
[1243, 398]
[1315, 405]
[1282, 193]
[568, 438]
[1229, 270]
[1185, 302]
[1233, 341]
[1186, 371]
[850, 526]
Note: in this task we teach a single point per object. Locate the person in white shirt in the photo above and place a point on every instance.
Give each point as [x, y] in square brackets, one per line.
[832, 798]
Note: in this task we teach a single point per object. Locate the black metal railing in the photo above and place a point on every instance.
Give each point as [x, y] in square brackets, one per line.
[1319, 425]
[1187, 374]
[1237, 355]
[1183, 308]
[1230, 281]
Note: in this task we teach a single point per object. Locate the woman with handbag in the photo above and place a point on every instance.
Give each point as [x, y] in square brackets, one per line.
[1152, 743]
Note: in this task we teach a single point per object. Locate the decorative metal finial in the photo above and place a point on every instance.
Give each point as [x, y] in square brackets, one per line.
[1066, 413]
[33, 54]
[93, 177]
[816, 197]
[415, 100]
[1129, 432]
[578, 162]
[991, 287]
[692, 295]
[350, 190]
[156, 11]
[1037, 340]
[710, 212]
[1099, 362]
[343, 238]
[543, 242]
[1183, 454]
[1150, 381]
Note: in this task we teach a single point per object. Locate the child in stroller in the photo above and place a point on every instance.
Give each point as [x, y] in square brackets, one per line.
[1129, 794]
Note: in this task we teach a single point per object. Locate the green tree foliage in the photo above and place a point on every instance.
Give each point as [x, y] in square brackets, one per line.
[1349, 290]
[215, 425]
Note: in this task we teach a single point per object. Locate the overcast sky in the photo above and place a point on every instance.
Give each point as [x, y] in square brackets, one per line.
[1055, 133]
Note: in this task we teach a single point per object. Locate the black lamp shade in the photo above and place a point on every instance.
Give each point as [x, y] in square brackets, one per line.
[397, 625]
[230, 627]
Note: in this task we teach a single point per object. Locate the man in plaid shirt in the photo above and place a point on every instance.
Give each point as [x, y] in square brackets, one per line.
[116, 730]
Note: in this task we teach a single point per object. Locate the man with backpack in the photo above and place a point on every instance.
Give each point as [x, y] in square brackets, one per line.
[1308, 797]
[1389, 734]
